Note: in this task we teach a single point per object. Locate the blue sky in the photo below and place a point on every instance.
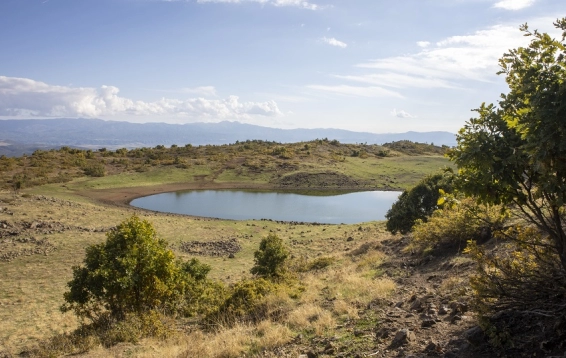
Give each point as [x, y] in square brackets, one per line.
[365, 65]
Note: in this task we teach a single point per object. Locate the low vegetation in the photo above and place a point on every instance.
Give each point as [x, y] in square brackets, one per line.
[418, 203]
[315, 164]
[481, 255]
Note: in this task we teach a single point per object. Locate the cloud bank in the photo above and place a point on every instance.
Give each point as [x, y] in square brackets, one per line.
[23, 97]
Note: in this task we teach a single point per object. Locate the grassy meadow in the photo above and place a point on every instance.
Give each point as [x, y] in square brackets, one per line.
[50, 211]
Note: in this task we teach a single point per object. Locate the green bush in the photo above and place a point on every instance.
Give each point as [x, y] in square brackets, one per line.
[243, 302]
[418, 203]
[132, 272]
[95, 170]
[270, 258]
[458, 224]
[303, 265]
[196, 269]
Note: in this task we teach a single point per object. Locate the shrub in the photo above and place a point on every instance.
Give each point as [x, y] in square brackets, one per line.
[270, 258]
[320, 263]
[132, 272]
[525, 275]
[243, 302]
[456, 224]
[418, 203]
[95, 170]
[196, 269]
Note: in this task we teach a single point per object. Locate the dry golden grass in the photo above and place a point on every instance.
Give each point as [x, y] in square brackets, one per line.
[311, 317]
[233, 342]
[344, 309]
[32, 287]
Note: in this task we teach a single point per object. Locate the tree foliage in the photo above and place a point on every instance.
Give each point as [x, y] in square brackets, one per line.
[514, 153]
[417, 203]
[270, 258]
[132, 272]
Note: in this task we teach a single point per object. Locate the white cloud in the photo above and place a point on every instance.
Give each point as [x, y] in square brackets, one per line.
[207, 91]
[453, 62]
[26, 97]
[278, 3]
[423, 43]
[401, 114]
[469, 57]
[399, 80]
[513, 4]
[357, 91]
[333, 42]
[297, 3]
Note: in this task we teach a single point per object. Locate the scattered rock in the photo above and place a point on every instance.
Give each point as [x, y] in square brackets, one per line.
[433, 347]
[384, 332]
[329, 348]
[428, 323]
[211, 248]
[403, 337]
[475, 336]
[456, 318]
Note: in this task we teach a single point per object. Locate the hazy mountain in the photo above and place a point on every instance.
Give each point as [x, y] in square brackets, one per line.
[19, 135]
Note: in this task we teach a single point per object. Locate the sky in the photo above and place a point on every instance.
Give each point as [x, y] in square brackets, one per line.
[378, 66]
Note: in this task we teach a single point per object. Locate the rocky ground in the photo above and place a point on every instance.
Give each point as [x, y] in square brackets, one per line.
[427, 317]
[227, 247]
[25, 238]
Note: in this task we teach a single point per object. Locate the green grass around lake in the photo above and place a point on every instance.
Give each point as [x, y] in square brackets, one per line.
[53, 184]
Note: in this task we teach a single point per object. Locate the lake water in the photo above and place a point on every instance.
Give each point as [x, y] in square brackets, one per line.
[348, 208]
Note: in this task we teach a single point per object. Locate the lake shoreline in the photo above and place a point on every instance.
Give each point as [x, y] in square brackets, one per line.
[122, 197]
[326, 207]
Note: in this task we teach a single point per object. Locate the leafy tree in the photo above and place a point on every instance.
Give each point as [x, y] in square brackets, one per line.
[417, 203]
[270, 258]
[514, 153]
[132, 272]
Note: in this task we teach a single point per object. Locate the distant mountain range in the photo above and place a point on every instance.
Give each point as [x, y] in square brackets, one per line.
[26, 135]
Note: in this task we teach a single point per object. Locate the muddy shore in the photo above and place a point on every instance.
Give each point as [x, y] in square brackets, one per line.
[123, 196]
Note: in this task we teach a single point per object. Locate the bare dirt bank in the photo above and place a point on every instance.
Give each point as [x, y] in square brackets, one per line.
[123, 196]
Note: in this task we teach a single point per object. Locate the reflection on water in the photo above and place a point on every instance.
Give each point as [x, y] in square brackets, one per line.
[331, 208]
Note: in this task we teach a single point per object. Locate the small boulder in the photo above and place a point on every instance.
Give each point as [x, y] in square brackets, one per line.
[428, 323]
[475, 336]
[403, 337]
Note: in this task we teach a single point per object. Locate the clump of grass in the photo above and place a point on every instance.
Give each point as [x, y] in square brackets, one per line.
[344, 309]
[312, 318]
[236, 340]
[106, 332]
[319, 263]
